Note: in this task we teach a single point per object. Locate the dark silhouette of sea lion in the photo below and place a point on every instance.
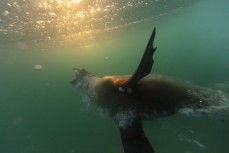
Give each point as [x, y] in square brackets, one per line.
[130, 99]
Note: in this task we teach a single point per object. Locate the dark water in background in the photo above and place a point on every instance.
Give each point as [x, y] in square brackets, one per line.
[41, 113]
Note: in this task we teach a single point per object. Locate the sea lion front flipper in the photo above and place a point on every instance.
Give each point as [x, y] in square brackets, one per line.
[134, 140]
[145, 65]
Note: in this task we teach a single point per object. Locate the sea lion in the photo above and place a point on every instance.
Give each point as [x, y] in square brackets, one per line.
[130, 99]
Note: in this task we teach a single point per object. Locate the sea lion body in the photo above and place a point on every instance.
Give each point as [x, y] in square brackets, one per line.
[153, 96]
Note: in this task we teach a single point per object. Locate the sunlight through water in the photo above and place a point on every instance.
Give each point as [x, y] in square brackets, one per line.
[81, 21]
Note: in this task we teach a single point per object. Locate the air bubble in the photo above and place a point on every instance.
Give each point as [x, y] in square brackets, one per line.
[38, 67]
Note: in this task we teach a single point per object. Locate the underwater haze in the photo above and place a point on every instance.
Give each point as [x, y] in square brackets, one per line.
[41, 41]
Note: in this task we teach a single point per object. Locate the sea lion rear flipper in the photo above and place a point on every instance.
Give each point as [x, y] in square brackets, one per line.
[145, 65]
[134, 140]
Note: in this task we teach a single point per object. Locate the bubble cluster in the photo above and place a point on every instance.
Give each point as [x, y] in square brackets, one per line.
[213, 103]
[125, 117]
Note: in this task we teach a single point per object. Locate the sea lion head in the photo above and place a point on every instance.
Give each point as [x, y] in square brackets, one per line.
[82, 78]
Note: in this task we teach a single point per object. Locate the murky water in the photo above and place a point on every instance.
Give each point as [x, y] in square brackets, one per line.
[42, 41]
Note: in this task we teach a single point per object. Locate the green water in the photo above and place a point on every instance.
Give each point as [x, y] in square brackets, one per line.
[41, 113]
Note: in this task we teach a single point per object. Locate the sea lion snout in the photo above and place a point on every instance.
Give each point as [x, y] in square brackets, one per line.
[76, 72]
[81, 77]
[80, 73]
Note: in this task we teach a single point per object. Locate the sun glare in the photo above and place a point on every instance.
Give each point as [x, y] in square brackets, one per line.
[76, 1]
[58, 1]
[57, 19]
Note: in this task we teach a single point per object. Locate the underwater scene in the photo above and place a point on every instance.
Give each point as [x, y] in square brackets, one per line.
[42, 41]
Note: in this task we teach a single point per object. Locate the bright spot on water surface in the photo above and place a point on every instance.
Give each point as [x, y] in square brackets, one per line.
[5, 13]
